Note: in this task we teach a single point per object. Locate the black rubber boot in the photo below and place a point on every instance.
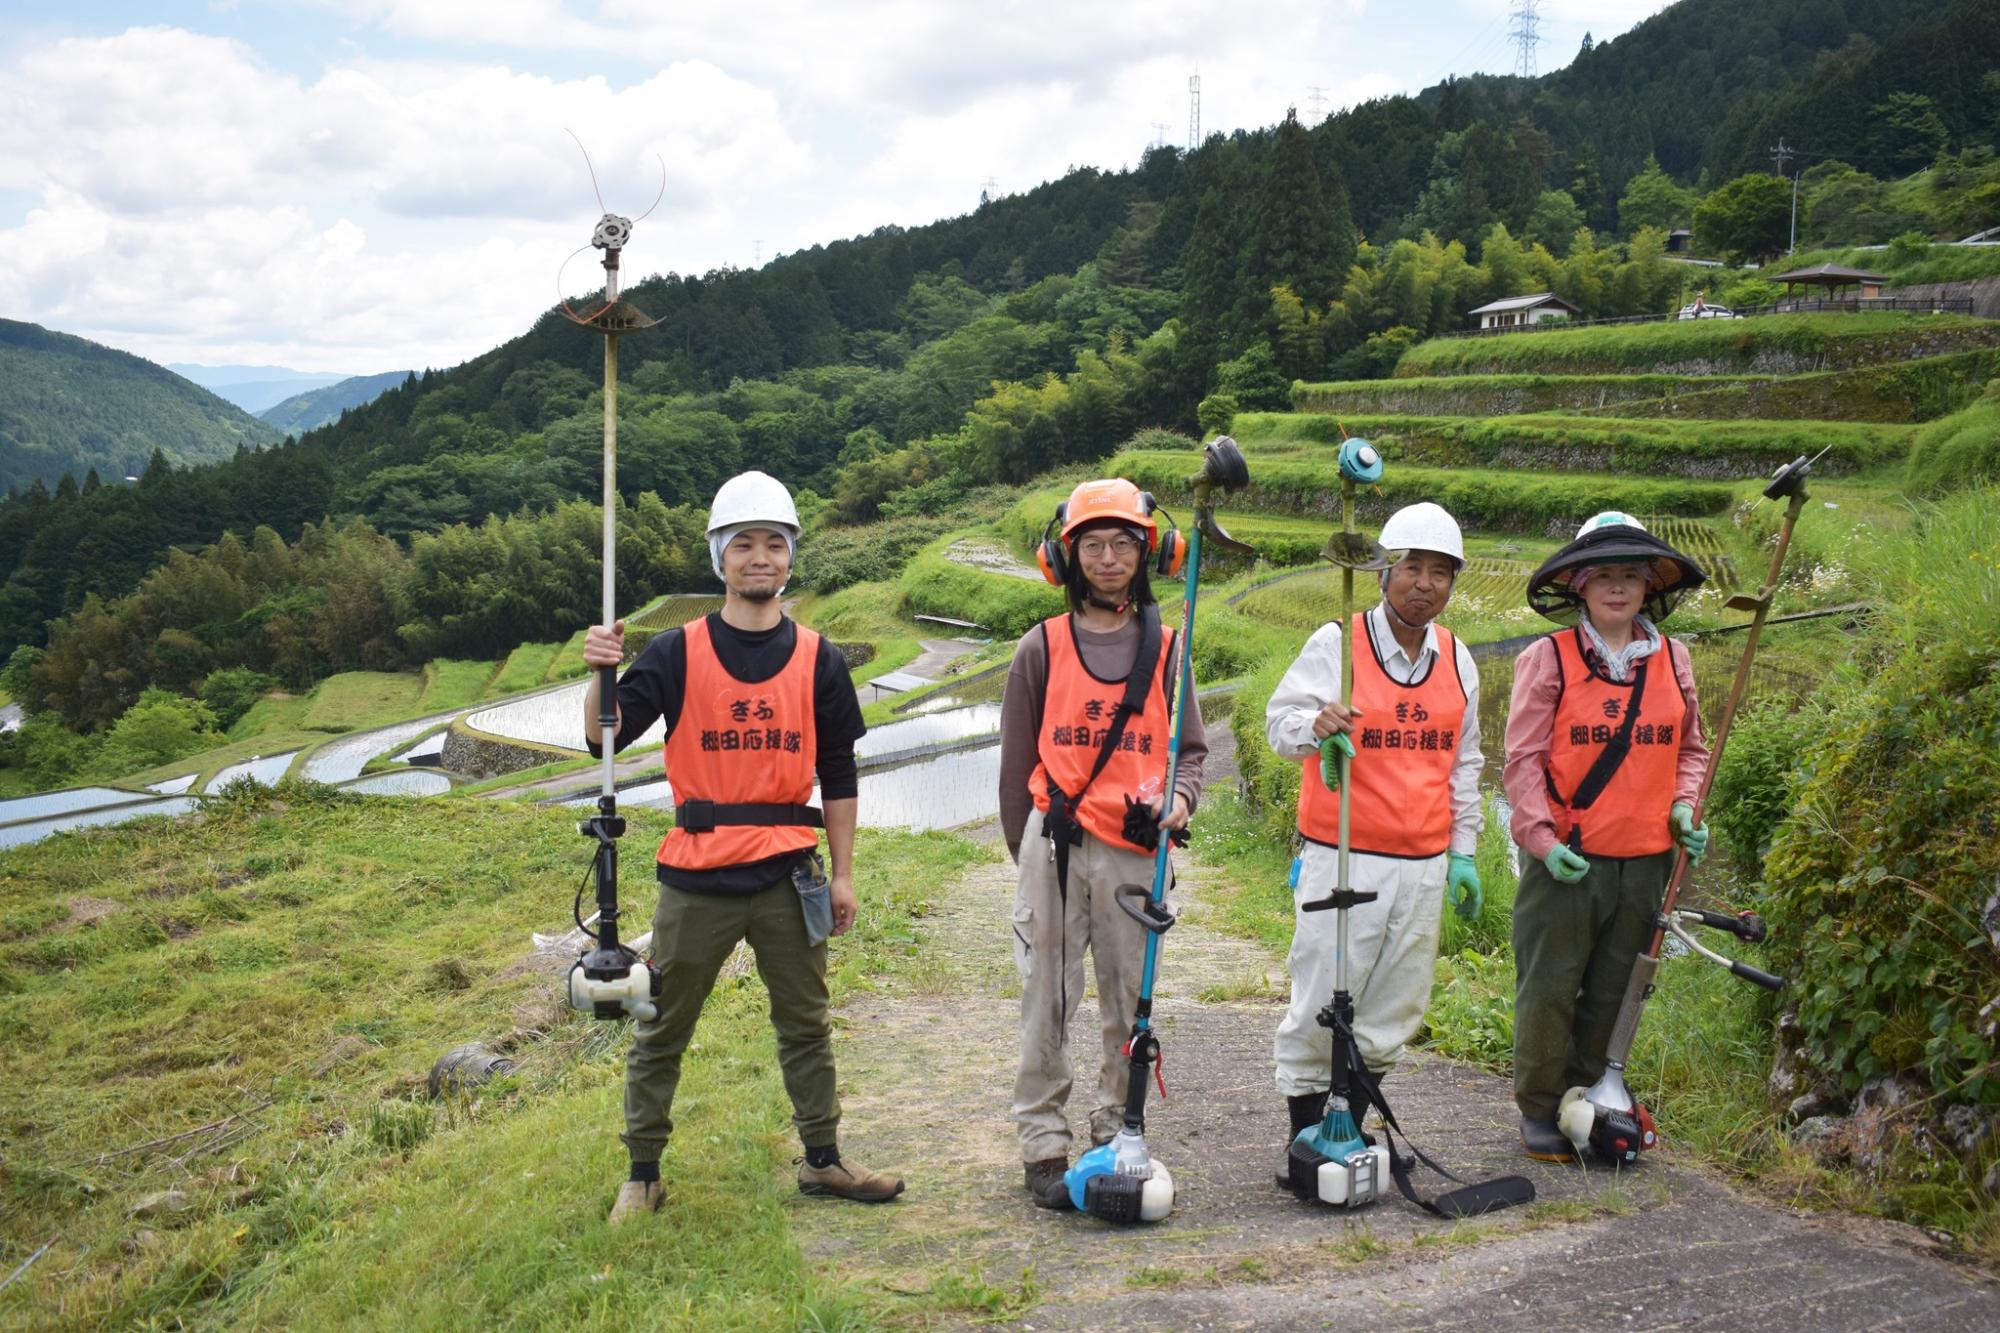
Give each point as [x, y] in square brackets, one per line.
[1306, 1111]
[1544, 1142]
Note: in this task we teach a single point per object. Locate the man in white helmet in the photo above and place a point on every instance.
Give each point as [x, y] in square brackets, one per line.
[755, 706]
[1415, 812]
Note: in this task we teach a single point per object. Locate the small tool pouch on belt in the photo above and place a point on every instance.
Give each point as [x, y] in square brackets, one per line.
[1060, 825]
[815, 897]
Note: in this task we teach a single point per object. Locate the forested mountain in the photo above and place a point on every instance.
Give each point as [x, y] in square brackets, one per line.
[317, 407]
[70, 407]
[889, 373]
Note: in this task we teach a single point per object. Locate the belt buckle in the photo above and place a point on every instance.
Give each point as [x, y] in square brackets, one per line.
[695, 816]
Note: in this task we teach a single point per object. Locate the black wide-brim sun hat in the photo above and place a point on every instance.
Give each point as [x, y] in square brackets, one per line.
[1671, 575]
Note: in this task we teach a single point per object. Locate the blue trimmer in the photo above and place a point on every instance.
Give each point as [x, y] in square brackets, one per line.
[1121, 1181]
[1331, 1161]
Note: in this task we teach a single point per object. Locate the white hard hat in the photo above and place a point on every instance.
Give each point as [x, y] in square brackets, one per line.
[1424, 527]
[752, 499]
[1610, 518]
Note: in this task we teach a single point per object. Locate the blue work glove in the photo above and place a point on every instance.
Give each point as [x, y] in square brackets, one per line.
[1565, 864]
[1461, 877]
[1693, 841]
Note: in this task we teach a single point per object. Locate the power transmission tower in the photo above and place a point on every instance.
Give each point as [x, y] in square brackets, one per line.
[1525, 34]
[757, 253]
[989, 190]
[1315, 102]
[1194, 112]
[1159, 135]
[1781, 155]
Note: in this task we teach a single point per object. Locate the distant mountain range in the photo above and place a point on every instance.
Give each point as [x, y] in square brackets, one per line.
[69, 405]
[316, 407]
[254, 388]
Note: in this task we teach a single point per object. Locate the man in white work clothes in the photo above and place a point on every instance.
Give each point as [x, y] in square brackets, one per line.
[1414, 816]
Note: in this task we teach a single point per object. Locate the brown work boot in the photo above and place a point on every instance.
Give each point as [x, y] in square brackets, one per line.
[1045, 1182]
[845, 1180]
[635, 1198]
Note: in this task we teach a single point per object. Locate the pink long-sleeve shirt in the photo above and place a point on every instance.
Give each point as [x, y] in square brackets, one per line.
[1531, 730]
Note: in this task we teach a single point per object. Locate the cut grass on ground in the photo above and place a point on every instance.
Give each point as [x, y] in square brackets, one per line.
[230, 972]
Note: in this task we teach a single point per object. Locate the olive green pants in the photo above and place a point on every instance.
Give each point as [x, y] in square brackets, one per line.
[1574, 945]
[693, 935]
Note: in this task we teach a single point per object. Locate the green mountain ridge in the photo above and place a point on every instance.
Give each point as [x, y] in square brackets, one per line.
[69, 405]
[319, 407]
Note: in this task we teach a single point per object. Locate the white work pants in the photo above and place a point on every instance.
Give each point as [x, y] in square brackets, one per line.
[1392, 944]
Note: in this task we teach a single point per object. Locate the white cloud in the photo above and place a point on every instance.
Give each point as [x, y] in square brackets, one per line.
[194, 199]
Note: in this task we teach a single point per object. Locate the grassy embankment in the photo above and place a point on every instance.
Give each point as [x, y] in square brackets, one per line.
[1783, 344]
[1900, 391]
[241, 1007]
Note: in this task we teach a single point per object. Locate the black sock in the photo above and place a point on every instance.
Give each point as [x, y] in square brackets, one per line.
[821, 1158]
[647, 1173]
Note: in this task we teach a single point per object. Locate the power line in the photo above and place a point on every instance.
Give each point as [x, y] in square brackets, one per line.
[1526, 35]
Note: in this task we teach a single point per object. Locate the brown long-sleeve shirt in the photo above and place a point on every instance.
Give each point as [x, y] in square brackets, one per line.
[1108, 656]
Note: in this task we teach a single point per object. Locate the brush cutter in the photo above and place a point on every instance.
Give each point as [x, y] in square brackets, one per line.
[1605, 1118]
[610, 980]
[1121, 1181]
[1333, 1162]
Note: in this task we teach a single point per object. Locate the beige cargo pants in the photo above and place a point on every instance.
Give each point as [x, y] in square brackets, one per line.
[1050, 941]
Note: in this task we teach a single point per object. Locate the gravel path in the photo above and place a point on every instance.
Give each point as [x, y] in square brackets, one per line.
[927, 1069]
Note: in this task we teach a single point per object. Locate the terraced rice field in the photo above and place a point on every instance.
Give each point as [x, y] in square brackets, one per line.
[554, 717]
[265, 770]
[676, 609]
[338, 761]
[63, 802]
[1700, 541]
[15, 835]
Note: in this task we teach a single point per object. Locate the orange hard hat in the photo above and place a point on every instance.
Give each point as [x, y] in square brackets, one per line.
[1110, 500]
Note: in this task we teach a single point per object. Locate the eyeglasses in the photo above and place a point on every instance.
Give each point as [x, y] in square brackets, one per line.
[1096, 548]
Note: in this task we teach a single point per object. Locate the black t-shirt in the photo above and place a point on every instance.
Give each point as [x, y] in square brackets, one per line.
[655, 684]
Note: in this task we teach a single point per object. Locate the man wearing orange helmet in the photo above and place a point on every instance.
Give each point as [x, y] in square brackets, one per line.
[1084, 729]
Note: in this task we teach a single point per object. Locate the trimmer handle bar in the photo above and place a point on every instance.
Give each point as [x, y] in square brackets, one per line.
[1345, 900]
[1747, 926]
[1136, 900]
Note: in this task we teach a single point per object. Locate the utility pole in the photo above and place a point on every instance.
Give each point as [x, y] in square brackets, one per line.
[1781, 155]
[1194, 112]
[1526, 35]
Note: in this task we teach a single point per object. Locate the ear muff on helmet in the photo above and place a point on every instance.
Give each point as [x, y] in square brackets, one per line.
[1169, 549]
[1170, 558]
[1050, 557]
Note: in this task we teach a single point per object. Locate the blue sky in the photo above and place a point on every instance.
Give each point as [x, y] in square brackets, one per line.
[359, 185]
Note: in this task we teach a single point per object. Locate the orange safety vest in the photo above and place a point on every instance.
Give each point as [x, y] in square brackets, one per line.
[1629, 817]
[741, 742]
[1077, 709]
[1406, 744]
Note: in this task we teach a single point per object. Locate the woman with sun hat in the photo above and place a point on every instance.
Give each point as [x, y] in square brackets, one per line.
[1604, 759]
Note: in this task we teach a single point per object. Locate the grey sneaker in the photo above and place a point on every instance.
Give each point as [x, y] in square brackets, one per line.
[1045, 1182]
[636, 1197]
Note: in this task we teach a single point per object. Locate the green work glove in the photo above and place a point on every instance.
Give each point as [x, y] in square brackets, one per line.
[1329, 764]
[1461, 876]
[1565, 864]
[1693, 841]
